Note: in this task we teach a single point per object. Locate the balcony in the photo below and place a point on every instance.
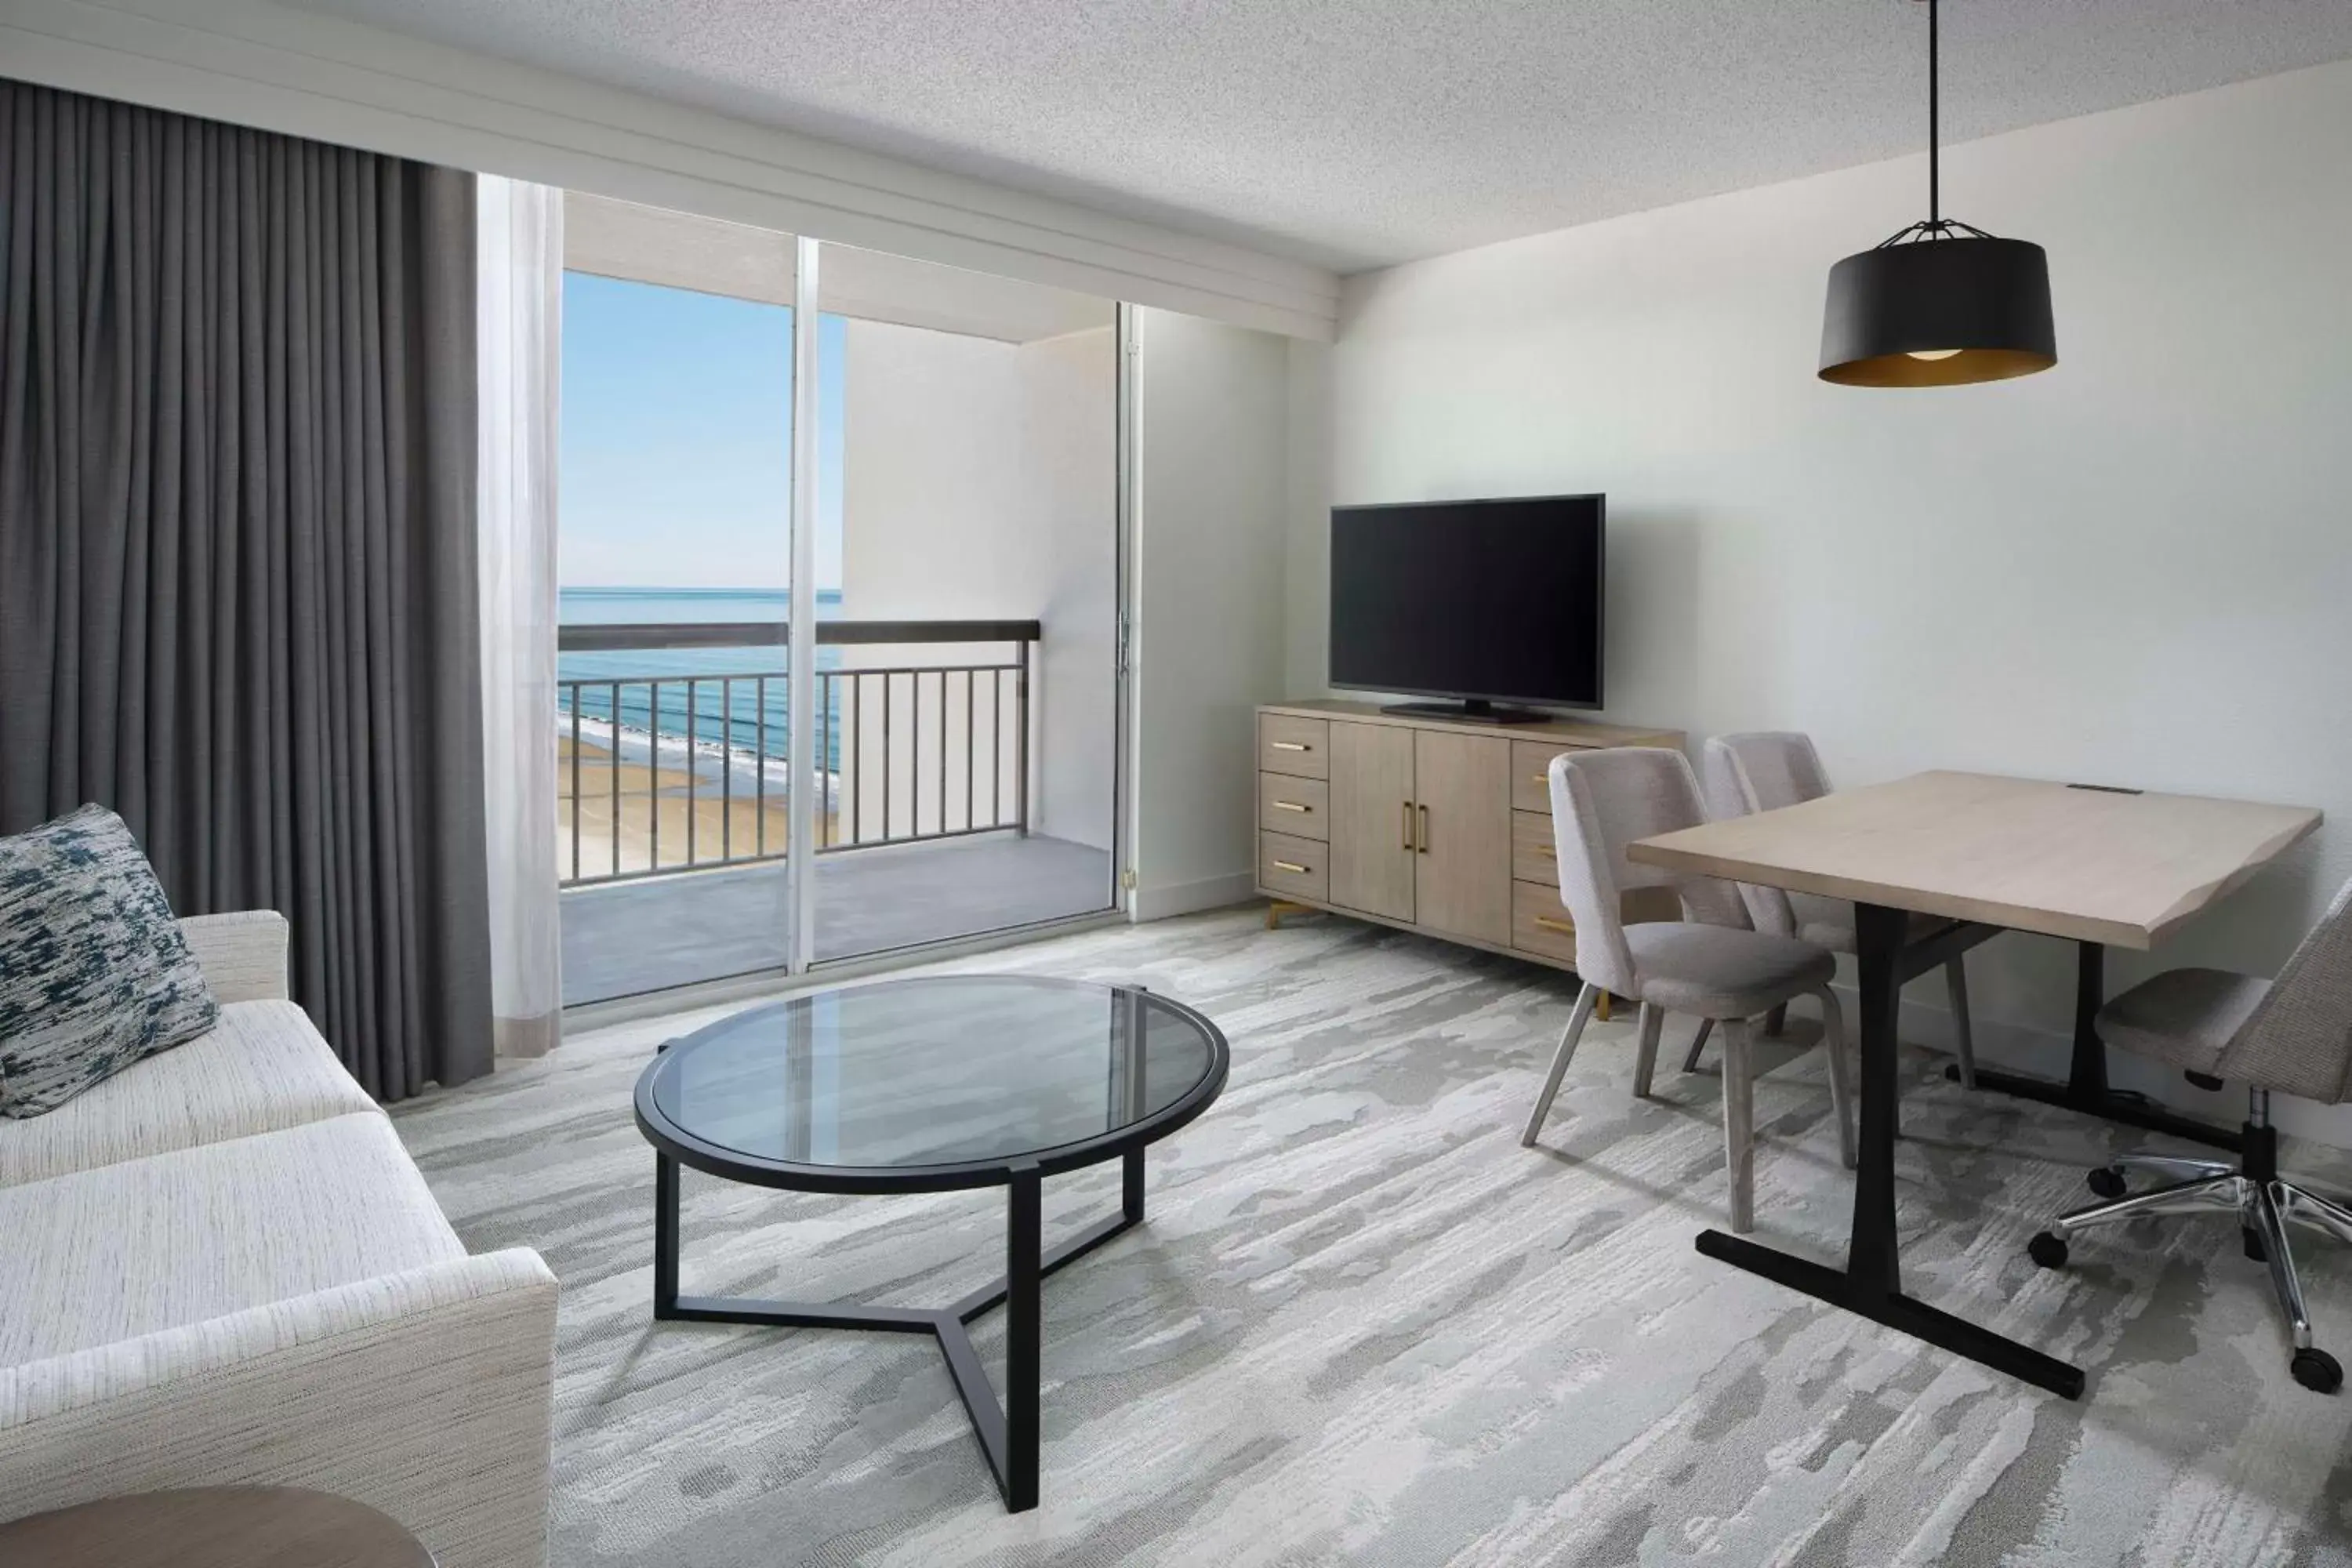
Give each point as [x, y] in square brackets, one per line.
[674, 789]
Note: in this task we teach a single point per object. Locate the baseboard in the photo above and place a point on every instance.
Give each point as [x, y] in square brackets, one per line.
[2045, 1053]
[1191, 897]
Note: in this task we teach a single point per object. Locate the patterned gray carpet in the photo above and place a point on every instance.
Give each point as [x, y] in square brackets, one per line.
[1364, 1325]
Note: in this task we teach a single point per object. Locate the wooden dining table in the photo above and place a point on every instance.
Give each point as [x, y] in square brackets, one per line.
[2093, 864]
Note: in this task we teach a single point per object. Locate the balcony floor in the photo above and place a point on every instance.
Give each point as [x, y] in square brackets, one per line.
[624, 938]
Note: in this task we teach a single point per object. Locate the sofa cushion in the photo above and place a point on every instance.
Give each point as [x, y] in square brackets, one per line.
[180, 1238]
[94, 972]
[262, 1067]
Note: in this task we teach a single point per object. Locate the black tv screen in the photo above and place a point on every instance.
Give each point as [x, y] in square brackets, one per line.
[1485, 600]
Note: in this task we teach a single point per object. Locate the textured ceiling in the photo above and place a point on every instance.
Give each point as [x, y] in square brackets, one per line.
[1358, 132]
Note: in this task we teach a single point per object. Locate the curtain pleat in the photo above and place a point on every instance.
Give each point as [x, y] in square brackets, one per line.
[238, 582]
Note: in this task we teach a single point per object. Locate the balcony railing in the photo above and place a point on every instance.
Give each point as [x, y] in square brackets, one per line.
[675, 769]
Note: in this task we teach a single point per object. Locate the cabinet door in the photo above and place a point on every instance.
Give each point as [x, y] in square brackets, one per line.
[1462, 877]
[1371, 819]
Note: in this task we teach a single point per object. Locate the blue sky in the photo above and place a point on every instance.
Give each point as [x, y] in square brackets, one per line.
[677, 442]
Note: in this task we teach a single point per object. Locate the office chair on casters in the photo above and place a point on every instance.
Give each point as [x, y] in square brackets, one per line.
[2291, 1036]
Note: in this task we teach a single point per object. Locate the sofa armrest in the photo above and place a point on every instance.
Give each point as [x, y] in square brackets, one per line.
[242, 955]
[424, 1394]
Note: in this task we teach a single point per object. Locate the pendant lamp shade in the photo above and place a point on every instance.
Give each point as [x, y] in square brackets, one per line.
[1941, 303]
[1938, 313]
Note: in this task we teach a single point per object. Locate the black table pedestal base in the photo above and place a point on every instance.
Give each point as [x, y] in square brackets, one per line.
[1007, 1432]
[1898, 1311]
[1871, 1284]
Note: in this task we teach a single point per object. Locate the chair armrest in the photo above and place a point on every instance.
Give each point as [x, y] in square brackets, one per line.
[424, 1394]
[242, 955]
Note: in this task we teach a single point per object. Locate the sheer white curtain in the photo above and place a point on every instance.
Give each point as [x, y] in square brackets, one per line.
[520, 246]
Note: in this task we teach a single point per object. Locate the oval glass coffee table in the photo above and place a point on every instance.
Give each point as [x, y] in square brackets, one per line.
[931, 1085]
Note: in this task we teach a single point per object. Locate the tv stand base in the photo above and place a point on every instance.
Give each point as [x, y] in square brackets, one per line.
[1474, 711]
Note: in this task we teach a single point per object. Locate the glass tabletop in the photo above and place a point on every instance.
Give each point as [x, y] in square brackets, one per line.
[960, 1073]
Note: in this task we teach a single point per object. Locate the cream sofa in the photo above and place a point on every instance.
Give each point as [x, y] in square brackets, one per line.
[220, 1265]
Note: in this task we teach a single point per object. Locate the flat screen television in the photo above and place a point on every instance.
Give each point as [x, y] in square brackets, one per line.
[1487, 603]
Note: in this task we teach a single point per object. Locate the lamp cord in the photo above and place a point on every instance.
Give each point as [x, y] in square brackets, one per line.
[1934, 172]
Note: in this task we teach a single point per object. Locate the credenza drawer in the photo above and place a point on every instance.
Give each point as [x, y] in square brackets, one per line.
[1299, 808]
[1289, 865]
[1299, 747]
[1540, 922]
[1531, 774]
[1534, 856]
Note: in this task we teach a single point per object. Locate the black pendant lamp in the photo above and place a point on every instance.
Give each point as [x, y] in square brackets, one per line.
[1941, 303]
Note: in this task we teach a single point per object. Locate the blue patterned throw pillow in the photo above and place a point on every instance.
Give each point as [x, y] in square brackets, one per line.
[94, 972]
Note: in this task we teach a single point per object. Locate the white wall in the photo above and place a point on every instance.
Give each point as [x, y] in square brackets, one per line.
[980, 483]
[1212, 493]
[2133, 569]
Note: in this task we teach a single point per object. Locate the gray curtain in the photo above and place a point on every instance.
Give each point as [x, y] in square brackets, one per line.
[237, 553]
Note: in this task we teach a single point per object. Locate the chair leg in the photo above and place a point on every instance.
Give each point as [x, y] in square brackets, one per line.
[2307, 1208]
[1740, 1122]
[1577, 1019]
[2283, 1278]
[1645, 1059]
[1955, 979]
[1698, 1044]
[2176, 1167]
[1776, 1022]
[2202, 1194]
[1841, 1079]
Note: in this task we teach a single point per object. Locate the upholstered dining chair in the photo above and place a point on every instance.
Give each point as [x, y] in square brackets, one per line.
[2288, 1035]
[1764, 771]
[1711, 964]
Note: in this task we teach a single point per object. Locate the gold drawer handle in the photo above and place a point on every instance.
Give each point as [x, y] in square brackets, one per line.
[1550, 924]
[1291, 866]
[1546, 850]
[1540, 778]
[1290, 805]
[1291, 746]
[1423, 847]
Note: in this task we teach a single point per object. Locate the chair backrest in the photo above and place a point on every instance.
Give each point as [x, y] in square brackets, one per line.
[2299, 1041]
[1763, 771]
[1601, 802]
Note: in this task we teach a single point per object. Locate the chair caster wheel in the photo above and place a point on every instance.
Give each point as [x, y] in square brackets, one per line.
[2318, 1371]
[2254, 1240]
[2048, 1251]
[2106, 1181]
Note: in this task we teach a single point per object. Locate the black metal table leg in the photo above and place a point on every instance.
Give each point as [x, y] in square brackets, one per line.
[665, 1235]
[2085, 1089]
[1023, 1241]
[1008, 1432]
[1871, 1285]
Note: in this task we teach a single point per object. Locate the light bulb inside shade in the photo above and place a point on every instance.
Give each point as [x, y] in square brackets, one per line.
[1931, 353]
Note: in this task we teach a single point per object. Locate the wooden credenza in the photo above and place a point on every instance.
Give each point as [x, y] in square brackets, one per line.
[1431, 825]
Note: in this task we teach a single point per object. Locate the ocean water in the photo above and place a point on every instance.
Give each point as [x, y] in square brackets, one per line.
[684, 718]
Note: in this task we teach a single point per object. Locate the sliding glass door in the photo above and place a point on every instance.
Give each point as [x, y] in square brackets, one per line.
[968, 679]
[840, 570]
[675, 555]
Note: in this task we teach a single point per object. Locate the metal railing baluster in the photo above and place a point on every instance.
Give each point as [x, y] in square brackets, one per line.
[575, 781]
[615, 742]
[653, 774]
